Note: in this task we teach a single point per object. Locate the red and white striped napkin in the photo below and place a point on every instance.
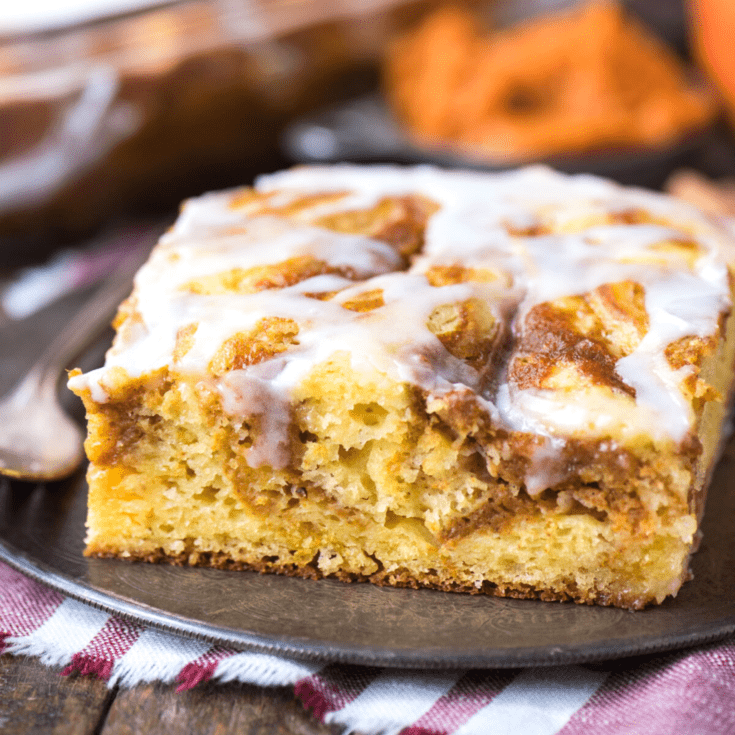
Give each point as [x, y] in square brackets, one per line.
[690, 691]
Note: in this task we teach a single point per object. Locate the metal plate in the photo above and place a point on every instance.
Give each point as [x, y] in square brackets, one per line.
[42, 530]
[41, 533]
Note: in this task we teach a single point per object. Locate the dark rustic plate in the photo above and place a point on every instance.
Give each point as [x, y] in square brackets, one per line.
[41, 533]
[42, 529]
[363, 130]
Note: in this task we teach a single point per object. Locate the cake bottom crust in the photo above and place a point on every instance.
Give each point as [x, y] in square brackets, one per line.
[632, 579]
[219, 560]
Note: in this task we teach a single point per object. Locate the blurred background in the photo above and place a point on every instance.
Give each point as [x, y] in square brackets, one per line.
[113, 111]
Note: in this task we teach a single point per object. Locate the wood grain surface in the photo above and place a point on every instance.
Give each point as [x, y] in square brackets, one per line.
[39, 700]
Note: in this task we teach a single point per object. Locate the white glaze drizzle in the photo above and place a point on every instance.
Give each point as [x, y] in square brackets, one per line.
[473, 227]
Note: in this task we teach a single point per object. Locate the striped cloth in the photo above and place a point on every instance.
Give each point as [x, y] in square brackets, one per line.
[689, 692]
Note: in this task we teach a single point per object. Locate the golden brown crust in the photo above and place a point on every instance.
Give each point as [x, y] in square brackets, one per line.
[265, 277]
[184, 341]
[366, 301]
[270, 336]
[398, 221]
[448, 275]
[401, 579]
[468, 330]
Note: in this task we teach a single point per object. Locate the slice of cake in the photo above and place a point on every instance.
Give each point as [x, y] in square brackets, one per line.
[504, 383]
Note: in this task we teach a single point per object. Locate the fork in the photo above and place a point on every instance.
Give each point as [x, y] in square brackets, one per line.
[38, 440]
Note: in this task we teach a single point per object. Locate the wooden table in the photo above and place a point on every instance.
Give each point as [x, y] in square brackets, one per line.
[38, 700]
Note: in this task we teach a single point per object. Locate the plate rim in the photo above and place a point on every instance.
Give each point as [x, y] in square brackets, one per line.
[367, 655]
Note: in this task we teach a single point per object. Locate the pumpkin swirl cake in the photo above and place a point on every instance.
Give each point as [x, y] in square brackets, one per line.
[512, 384]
